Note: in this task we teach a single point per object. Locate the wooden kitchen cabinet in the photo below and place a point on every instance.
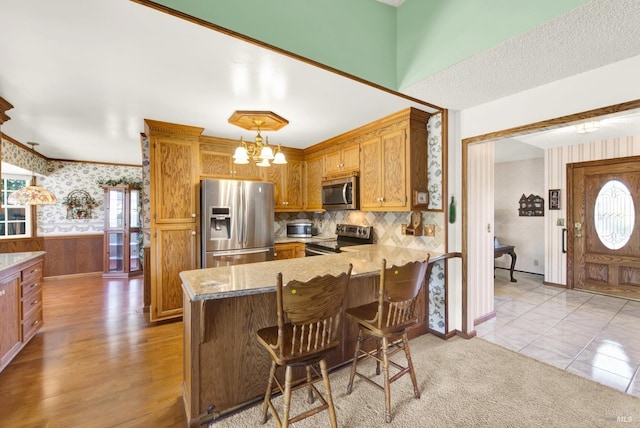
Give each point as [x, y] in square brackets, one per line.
[288, 185]
[174, 189]
[344, 160]
[383, 172]
[393, 163]
[289, 250]
[314, 174]
[20, 305]
[220, 165]
[10, 339]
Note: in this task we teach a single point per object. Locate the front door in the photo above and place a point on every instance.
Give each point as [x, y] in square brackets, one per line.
[604, 237]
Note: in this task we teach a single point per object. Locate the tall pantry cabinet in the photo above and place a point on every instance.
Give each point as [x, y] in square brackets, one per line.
[173, 200]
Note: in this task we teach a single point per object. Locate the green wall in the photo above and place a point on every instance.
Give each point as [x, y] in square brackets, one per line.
[393, 47]
[436, 34]
[355, 36]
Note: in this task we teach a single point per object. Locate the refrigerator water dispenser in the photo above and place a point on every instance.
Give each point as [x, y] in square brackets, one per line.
[219, 223]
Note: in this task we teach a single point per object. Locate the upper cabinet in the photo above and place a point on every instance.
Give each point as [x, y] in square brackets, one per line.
[313, 179]
[344, 160]
[389, 155]
[383, 173]
[288, 185]
[219, 164]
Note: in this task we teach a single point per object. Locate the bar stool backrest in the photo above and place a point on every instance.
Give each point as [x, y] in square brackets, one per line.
[399, 288]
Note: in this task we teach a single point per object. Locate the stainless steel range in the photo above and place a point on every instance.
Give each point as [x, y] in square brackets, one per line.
[347, 234]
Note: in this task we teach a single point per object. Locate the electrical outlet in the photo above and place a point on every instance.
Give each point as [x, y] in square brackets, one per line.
[430, 230]
[535, 263]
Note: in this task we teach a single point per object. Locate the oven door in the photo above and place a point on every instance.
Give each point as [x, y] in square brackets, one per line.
[316, 249]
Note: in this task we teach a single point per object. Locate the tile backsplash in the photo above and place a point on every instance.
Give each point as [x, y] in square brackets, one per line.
[387, 226]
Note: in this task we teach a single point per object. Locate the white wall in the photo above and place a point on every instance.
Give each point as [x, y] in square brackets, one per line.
[512, 180]
[613, 84]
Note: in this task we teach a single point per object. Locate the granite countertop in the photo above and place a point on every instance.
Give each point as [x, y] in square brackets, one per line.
[256, 278]
[8, 260]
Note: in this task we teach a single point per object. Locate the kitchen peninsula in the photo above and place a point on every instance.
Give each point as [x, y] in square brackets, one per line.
[224, 366]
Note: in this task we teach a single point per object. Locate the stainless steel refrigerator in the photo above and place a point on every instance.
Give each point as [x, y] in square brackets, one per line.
[237, 222]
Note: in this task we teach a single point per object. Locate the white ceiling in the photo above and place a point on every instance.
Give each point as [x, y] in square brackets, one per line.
[83, 75]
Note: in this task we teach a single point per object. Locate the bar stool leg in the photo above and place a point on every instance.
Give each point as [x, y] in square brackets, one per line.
[310, 398]
[387, 385]
[327, 387]
[412, 372]
[355, 363]
[287, 396]
[267, 395]
[378, 356]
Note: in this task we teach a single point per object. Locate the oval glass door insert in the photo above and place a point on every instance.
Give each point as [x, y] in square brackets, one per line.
[614, 215]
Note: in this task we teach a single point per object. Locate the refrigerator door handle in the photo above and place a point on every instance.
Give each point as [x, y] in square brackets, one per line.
[243, 206]
[239, 215]
[240, 252]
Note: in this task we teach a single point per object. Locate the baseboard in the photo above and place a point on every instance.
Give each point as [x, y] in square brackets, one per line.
[484, 318]
[73, 275]
[464, 335]
[553, 284]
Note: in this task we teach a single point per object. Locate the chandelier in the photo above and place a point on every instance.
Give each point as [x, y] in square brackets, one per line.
[33, 194]
[258, 151]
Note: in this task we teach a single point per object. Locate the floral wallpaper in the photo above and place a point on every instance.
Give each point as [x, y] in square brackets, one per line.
[63, 177]
[434, 171]
[437, 293]
[146, 191]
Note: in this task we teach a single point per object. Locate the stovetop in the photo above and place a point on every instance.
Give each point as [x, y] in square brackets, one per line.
[347, 234]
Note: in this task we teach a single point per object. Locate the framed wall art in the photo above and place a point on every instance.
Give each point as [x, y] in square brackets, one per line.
[554, 199]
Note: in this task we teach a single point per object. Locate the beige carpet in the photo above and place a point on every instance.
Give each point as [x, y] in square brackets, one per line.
[470, 383]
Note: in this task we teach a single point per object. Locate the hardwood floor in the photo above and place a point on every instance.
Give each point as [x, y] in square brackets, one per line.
[97, 362]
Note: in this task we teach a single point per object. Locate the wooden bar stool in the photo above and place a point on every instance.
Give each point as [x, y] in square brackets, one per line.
[309, 314]
[386, 321]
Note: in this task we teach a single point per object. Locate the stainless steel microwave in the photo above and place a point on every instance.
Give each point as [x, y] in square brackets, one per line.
[300, 229]
[340, 194]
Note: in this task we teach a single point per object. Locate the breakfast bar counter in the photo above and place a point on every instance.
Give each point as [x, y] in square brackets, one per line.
[224, 366]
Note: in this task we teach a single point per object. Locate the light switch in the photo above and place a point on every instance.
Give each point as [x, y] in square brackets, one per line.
[560, 222]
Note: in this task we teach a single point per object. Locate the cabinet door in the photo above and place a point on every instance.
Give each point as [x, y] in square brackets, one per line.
[274, 174]
[333, 162]
[248, 171]
[294, 185]
[394, 169]
[214, 164]
[315, 172]
[284, 251]
[174, 171]
[351, 158]
[370, 174]
[114, 252]
[175, 251]
[9, 318]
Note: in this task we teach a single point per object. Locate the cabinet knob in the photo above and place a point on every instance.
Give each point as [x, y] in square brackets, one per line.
[193, 233]
[193, 215]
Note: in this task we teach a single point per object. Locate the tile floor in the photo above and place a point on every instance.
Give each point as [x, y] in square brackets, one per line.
[588, 334]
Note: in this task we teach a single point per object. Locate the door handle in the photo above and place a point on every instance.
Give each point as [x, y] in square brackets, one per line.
[564, 238]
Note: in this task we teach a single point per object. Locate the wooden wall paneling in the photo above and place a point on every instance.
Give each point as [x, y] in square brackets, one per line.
[21, 245]
[70, 255]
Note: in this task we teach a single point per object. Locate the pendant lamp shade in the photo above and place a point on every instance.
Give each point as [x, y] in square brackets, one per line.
[32, 195]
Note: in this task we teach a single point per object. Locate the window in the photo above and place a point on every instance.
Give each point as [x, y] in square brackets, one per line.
[614, 214]
[15, 220]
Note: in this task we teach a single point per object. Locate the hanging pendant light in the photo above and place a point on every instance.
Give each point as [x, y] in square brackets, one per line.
[32, 194]
[260, 152]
